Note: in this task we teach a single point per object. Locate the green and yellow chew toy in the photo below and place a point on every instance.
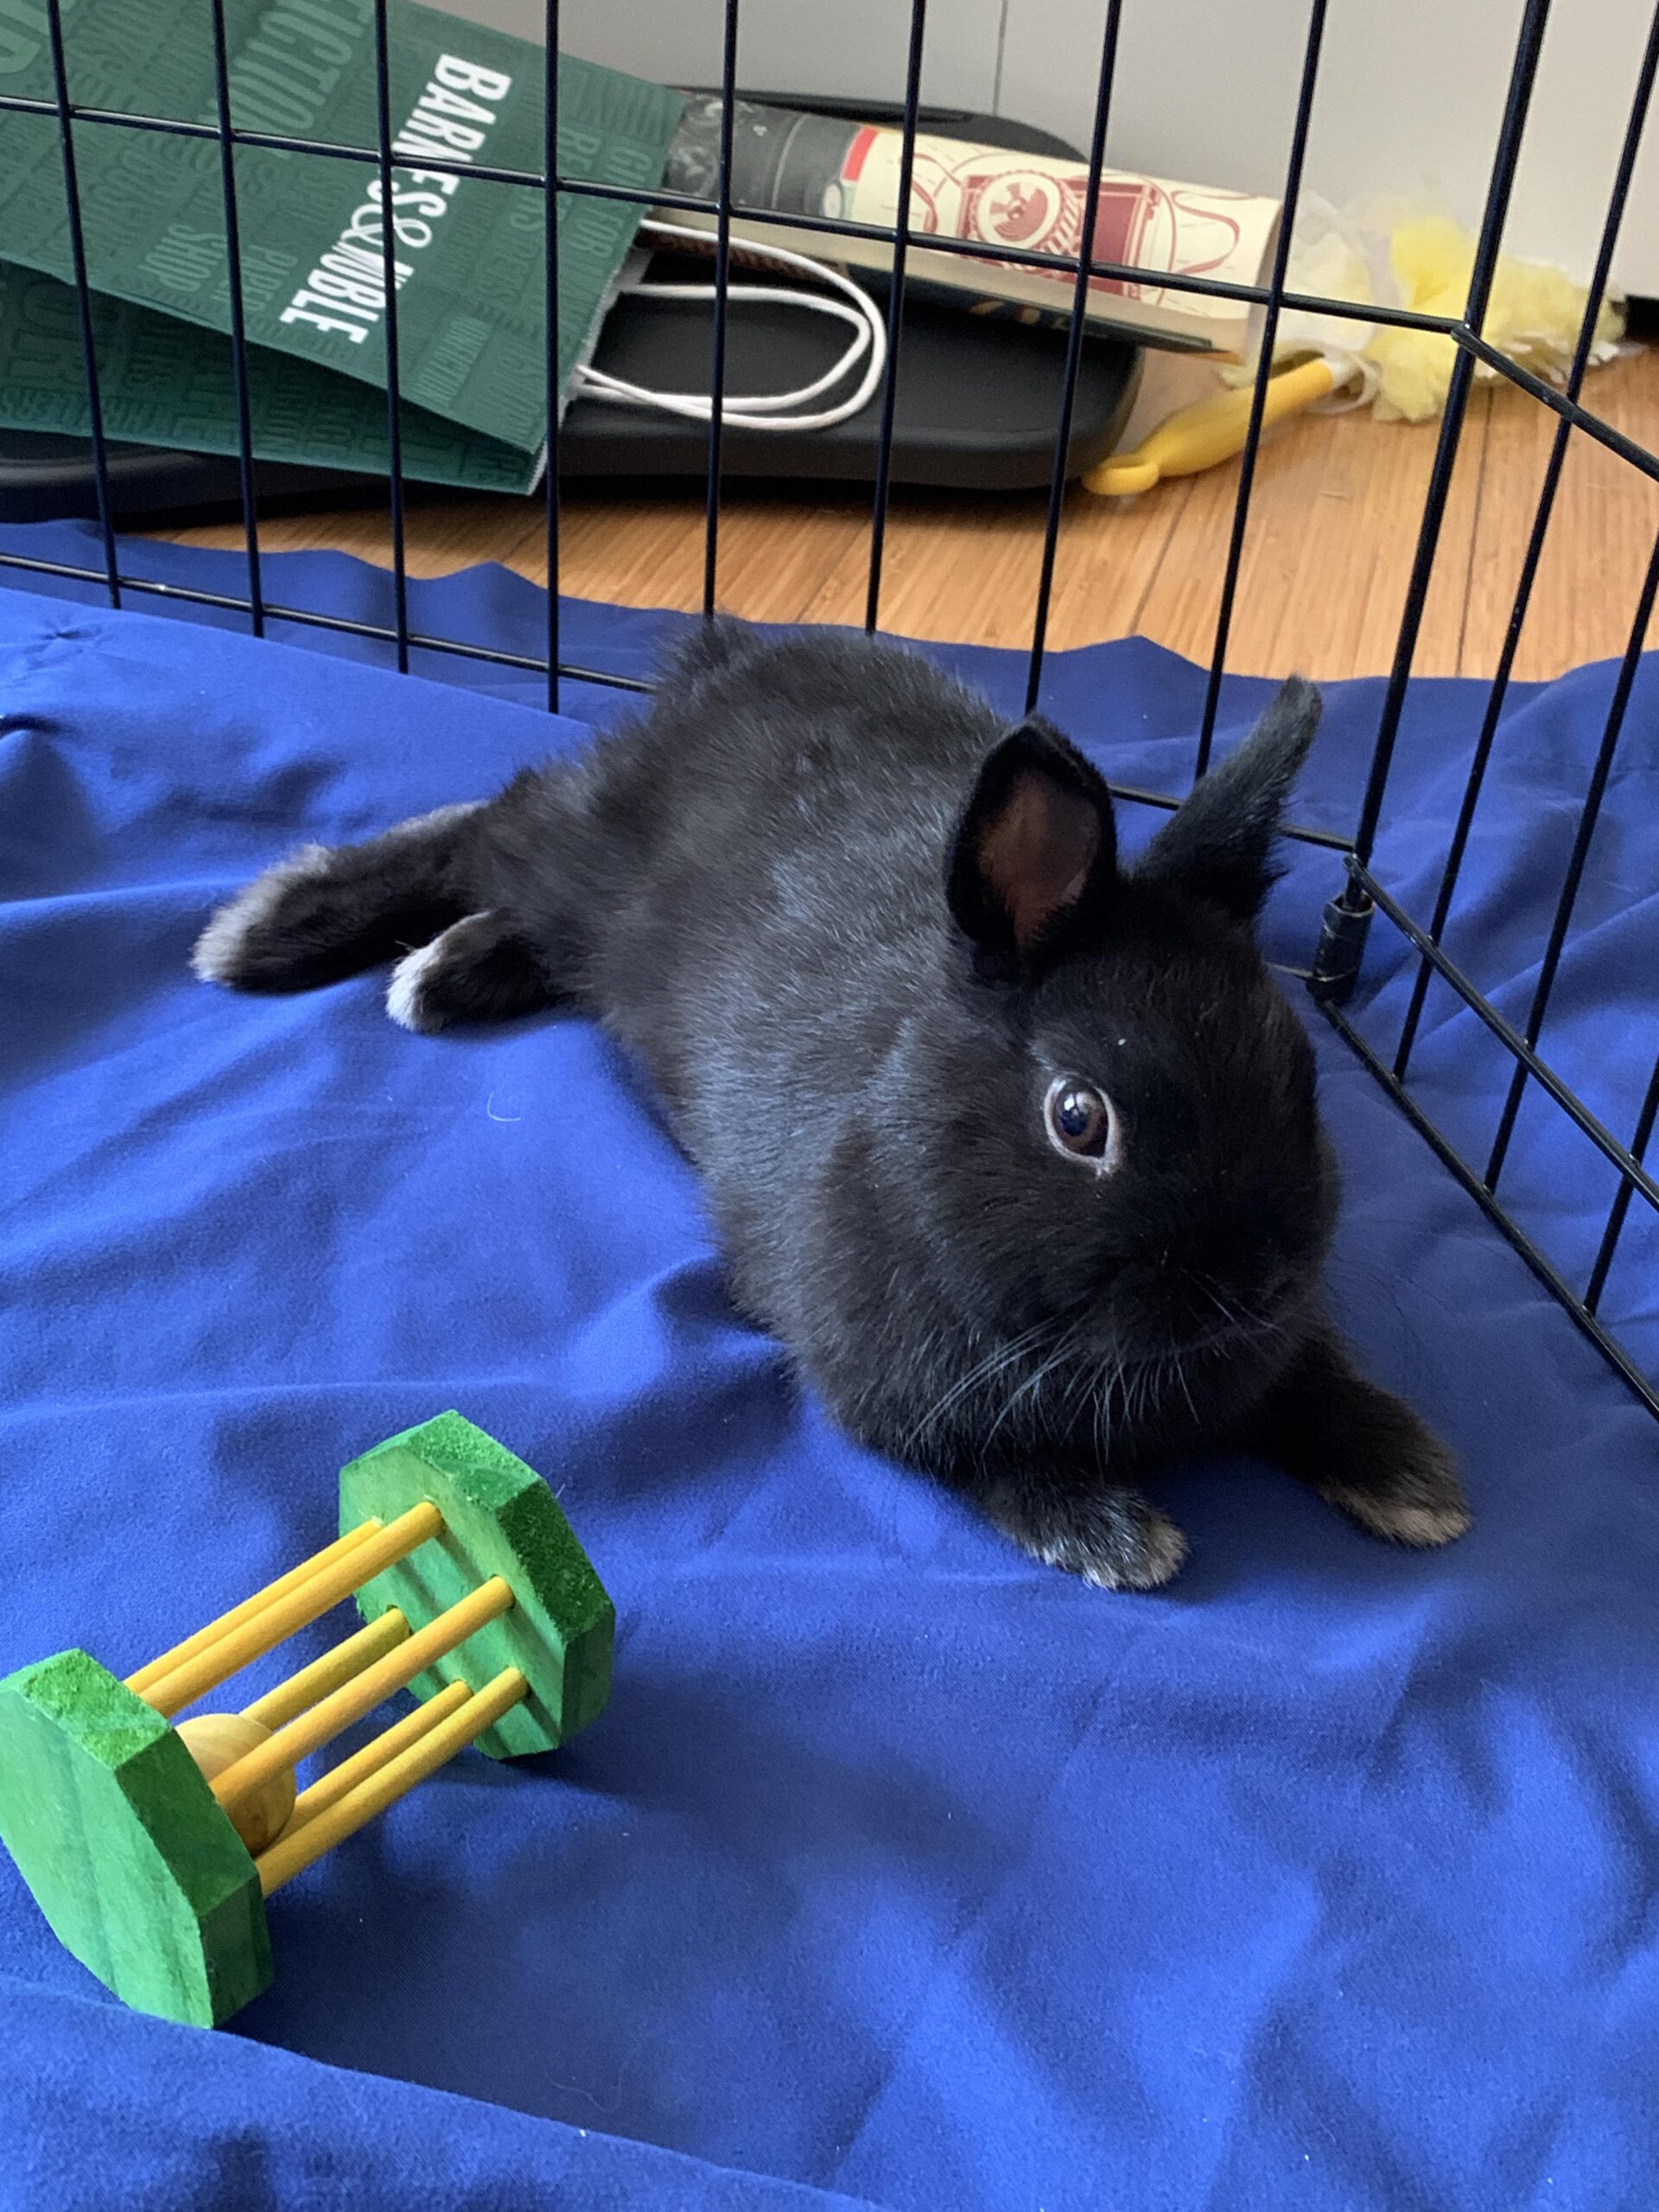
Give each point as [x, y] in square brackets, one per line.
[151, 1849]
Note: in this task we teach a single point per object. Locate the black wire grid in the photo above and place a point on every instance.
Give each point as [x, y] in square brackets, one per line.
[1362, 898]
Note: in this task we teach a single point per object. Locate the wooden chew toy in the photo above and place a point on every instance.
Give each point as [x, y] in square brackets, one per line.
[151, 1849]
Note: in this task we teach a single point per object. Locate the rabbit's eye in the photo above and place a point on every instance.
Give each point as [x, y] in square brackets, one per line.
[1080, 1118]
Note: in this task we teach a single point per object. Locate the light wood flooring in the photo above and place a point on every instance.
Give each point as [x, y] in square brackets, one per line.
[1333, 525]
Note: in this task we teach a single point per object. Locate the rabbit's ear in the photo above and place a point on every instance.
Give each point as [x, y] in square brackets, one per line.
[1035, 858]
[1219, 845]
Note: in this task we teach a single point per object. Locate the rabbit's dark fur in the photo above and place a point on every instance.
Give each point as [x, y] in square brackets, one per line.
[856, 929]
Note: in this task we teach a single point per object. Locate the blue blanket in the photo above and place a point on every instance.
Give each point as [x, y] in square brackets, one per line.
[900, 1870]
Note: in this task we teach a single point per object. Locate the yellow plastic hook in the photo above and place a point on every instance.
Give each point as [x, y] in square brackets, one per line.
[1210, 430]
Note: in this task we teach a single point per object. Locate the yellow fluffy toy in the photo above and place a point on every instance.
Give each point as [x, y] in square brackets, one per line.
[1534, 315]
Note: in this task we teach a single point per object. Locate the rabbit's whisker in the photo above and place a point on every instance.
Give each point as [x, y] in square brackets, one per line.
[983, 1372]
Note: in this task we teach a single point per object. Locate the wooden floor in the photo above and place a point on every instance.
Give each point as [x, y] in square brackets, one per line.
[1333, 525]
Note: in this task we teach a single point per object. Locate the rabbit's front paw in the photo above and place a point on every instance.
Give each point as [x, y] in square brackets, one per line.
[1363, 1450]
[1400, 1482]
[1112, 1538]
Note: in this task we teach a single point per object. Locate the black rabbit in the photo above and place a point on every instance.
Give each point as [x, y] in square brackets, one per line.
[1016, 1151]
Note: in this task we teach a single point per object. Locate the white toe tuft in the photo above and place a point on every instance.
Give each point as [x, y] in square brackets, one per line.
[404, 993]
[219, 950]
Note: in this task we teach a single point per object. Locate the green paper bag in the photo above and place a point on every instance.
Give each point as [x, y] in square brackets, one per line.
[470, 252]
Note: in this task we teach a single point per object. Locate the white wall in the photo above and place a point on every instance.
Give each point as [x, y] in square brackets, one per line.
[1410, 90]
[834, 46]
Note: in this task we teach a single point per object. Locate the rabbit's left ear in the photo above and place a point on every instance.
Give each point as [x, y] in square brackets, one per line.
[1034, 863]
[1219, 845]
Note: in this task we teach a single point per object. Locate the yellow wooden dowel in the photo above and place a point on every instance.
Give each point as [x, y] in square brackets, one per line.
[304, 1604]
[154, 1669]
[296, 1849]
[345, 1778]
[365, 1691]
[312, 1683]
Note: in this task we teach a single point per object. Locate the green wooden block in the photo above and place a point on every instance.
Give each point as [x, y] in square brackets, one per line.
[500, 1518]
[119, 1838]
